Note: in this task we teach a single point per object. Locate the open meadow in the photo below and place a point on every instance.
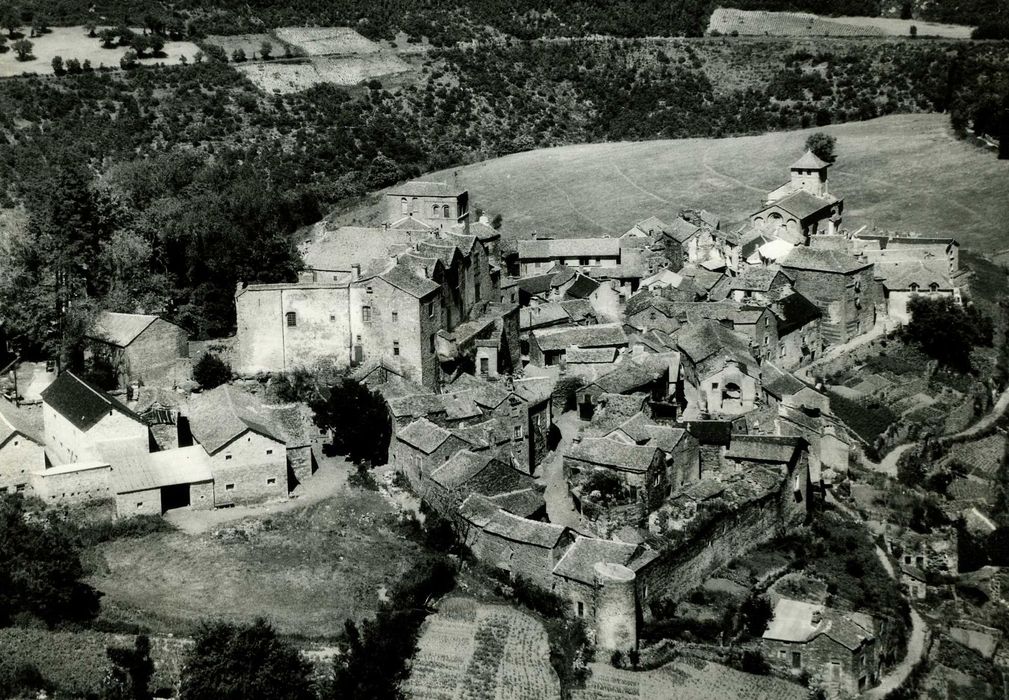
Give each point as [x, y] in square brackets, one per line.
[761, 23]
[902, 172]
[306, 570]
[74, 42]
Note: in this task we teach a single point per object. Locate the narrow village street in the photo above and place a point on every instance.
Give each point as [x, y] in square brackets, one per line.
[560, 507]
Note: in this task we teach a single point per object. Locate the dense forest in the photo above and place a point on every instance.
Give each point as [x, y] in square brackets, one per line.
[445, 22]
[160, 189]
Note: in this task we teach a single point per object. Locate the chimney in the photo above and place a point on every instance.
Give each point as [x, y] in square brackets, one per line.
[817, 617]
[355, 271]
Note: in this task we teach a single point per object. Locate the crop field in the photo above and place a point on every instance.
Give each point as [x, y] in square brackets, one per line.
[686, 679]
[76, 662]
[326, 41]
[489, 652]
[306, 570]
[900, 173]
[300, 74]
[761, 23]
[74, 42]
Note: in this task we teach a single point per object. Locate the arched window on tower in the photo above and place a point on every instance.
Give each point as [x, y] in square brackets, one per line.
[434, 210]
[404, 206]
[445, 211]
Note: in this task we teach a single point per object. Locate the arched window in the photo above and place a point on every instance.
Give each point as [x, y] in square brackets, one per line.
[404, 206]
[292, 319]
[933, 287]
[913, 287]
[434, 210]
[445, 211]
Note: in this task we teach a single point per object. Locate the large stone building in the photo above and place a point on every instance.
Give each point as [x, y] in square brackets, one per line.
[434, 204]
[802, 207]
[417, 307]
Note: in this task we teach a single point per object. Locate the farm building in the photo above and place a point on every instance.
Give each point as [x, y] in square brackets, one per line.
[22, 449]
[141, 348]
[150, 484]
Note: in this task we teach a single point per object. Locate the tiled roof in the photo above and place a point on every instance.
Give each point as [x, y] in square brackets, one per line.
[613, 454]
[404, 278]
[578, 309]
[651, 225]
[14, 420]
[642, 429]
[763, 448]
[340, 248]
[460, 468]
[901, 275]
[779, 383]
[82, 403]
[704, 279]
[793, 622]
[218, 416]
[183, 465]
[478, 509]
[512, 527]
[532, 317]
[626, 377]
[582, 287]
[590, 355]
[583, 336]
[409, 223]
[416, 405]
[756, 279]
[543, 249]
[523, 502]
[424, 188]
[699, 341]
[120, 329]
[424, 435]
[793, 312]
[802, 204]
[578, 563]
[682, 230]
[809, 161]
[803, 258]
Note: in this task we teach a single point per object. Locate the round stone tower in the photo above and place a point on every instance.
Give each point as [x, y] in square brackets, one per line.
[616, 607]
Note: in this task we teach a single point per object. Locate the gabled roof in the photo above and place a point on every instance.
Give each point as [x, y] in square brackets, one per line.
[809, 161]
[218, 416]
[899, 276]
[460, 468]
[643, 430]
[793, 312]
[409, 223]
[424, 188]
[757, 279]
[614, 454]
[15, 421]
[682, 230]
[590, 355]
[119, 329]
[581, 288]
[803, 258]
[578, 563]
[779, 383]
[512, 527]
[81, 402]
[182, 465]
[603, 335]
[523, 502]
[402, 277]
[478, 509]
[802, 204]
[424, 435]
[763, 448]
[543, 249]
[793, 622]
[626, 377]
[705, 339]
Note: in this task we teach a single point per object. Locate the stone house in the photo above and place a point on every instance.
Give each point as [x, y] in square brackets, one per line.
[637, 472]
[536, 256]
[760, 285]
[247, 453]
[421, 447]
[522, 547]
[547, 346]
[465, 473]
[934, 553]
[141, 348]
[904, 280]
[837, 648]
[680, 448]
[721, 375]
[798, 330]
[694, 238]
[671, 284]
[435, 204]
[843, 287]
[802, 207]
[829, 444]
[658, 380]
[152, 483]
[84, 424]
[22, 449]
[664, 251]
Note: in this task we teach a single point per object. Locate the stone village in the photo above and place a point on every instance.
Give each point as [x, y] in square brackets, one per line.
[564, 402]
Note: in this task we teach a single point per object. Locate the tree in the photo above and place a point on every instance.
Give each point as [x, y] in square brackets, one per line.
[157, 44]
[822, 145]
[230, 662]
[496, 222]
[128, 60]
[91, 27]
[74, 66]
[914, 31]
[238, 55]
[265, 49]
[140, 43]
[40, 568]
[211, 371]
[58, 65]
[23, 48]
[40, 25]
[755, 613]
[358, 419]
[946, 331]
[109, 37]
[10, 19]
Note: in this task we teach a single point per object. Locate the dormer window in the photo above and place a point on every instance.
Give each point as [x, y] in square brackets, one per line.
[933, 287]
[913, 287]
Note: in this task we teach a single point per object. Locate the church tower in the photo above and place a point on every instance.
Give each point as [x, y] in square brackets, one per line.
[809, 173]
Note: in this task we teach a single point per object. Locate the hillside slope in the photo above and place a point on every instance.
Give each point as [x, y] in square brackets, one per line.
[906, 172]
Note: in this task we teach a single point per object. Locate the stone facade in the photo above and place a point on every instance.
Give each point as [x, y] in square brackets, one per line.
[434, 204]
[76, 483]
[67, 444]
[846, 299]
[20, 455]
[250, 469]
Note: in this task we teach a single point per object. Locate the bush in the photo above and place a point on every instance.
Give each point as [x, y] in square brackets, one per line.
[754, 662]
[211, 371]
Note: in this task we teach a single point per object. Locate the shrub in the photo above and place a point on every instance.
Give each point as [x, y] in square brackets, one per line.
[211, 371]
[754, 662]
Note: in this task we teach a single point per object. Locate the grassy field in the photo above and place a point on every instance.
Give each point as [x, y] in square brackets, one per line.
[761, 23]
[306, 571]
[74, 42]
[904, 172]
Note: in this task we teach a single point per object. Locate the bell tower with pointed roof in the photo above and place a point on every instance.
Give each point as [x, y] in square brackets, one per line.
[809, 173]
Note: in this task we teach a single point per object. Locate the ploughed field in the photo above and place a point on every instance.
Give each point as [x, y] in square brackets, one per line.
[306, 570]
[902, 172]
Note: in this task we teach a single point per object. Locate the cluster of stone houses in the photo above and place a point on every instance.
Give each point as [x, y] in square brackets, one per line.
[674, 343]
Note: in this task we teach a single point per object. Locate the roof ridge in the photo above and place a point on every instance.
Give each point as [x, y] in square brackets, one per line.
[100, 394]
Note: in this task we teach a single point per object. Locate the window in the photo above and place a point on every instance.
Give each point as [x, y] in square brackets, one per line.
[271, 480]
[227, 458]
[932, 288]
[332, 317]
[434, 210]
[395, 317]
[140, 504]
[581, 609]
[269, 452]
[366, 314]
[369, 290]
[445, 211]
[292, 319]
[583, 261]
[395, 348]
[913, 287]
[476, 290]
[432, 342]
[229, 487]
[484, 366]
[430, 309]
[404, 206]
[19, 488]
[518, 432]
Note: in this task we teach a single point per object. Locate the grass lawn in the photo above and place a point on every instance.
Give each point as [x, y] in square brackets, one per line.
[903, 172]
[306, 570]
[74, 42]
